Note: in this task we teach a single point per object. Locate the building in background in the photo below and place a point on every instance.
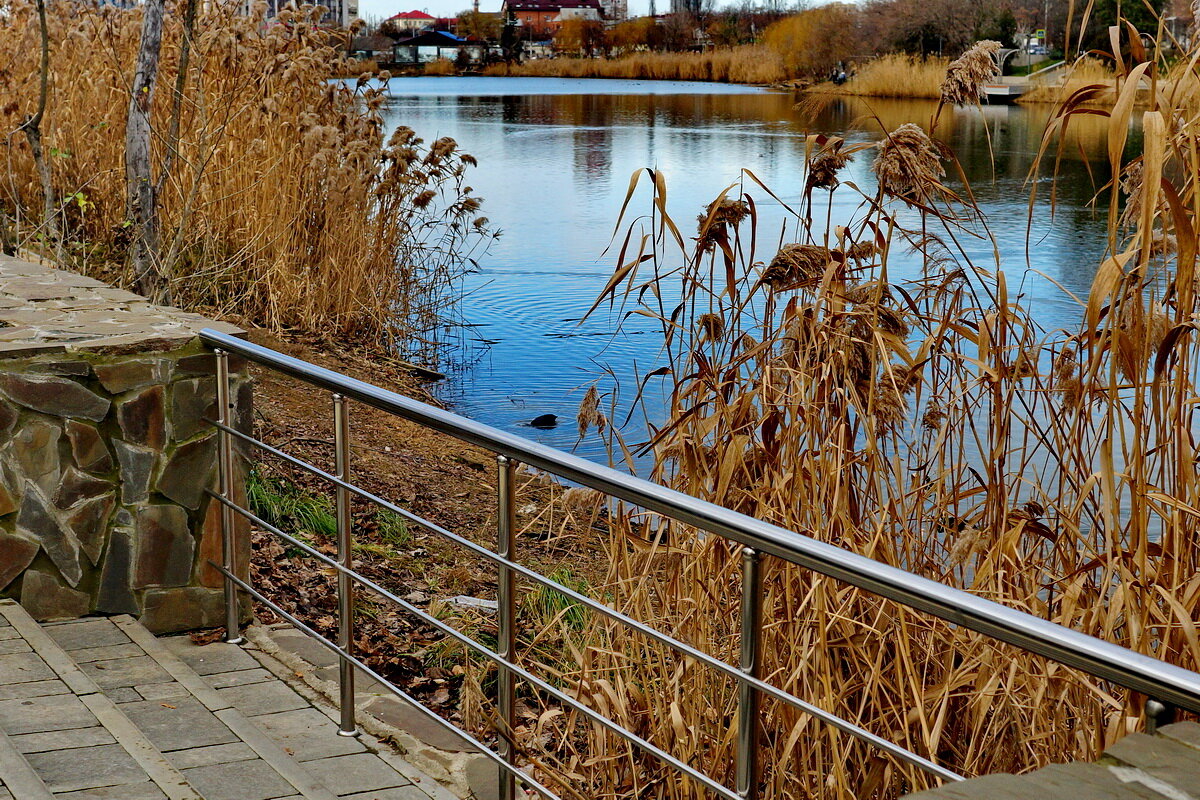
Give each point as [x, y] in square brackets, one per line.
[541, 19]
[339, 13]
[411, 22]
[614, 11]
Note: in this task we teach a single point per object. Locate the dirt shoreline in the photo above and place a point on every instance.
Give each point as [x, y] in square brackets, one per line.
[447, 482]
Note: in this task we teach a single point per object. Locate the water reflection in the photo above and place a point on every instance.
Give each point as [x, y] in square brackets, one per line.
[555, 158]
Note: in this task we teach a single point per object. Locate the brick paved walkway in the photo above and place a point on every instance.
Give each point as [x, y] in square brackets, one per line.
[98, 709]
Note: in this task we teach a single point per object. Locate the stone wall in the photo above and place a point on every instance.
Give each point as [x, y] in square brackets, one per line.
[104, 454]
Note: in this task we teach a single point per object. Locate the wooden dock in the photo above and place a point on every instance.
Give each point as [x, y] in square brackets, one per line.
[1139, 767]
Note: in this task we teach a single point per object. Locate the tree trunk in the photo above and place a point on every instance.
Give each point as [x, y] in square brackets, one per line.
[140, 188]
[32, 128]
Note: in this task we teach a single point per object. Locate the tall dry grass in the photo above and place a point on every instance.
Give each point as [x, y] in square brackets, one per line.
[747, 64]
[929, 424]
[288, 203]
[894, 75]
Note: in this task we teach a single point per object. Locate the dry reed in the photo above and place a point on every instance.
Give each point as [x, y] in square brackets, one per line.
[288, 204]
[747, 64]
[927, 424]
[967, 74]
[892, 76]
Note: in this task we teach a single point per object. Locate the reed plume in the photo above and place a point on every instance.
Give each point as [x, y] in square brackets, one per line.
[967, 74]
[909, 164]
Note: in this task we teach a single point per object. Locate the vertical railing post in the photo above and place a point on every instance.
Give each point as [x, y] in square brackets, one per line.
[345, 552]
[225, 486]
[749, 699]
[1158, 714]
[506, 602]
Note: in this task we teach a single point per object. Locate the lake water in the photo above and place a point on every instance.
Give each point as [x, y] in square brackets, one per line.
[555, 160]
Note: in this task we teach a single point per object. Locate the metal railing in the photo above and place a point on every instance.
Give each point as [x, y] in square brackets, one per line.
[1166, 686]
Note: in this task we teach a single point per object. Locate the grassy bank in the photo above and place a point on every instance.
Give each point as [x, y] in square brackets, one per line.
[749, 64]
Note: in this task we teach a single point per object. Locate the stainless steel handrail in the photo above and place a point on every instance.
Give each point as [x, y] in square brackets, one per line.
[1168, 686]
[746, 676]
[1124, 667]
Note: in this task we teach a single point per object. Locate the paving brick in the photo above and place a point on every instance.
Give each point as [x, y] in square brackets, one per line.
[88, 654]
[86, 633]
[55, 713]
[86, 768]
[210, 658]
[62, 740]
[363, 772]
[178, 724]
[135, 671]
[8, 632]
[213, 754]
[241, 677]
[124, 694]
[162, 691]
[244, 780]
[17, 691]
[138, 791]
[10, 646]
[23, 667]
[409, 792]
[263, 698]
[307, 734]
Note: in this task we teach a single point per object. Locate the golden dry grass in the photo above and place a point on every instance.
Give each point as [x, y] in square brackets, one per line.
[893, 76]
[748, 64]
[443, 66]
[288, 203]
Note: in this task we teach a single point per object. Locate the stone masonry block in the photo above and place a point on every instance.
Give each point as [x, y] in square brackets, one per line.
[59, 397]
[143, 418]
[38, 521]
[182, 609]
[16, 553]
[191, 401]
[124, 376]
[35, 451]
[88, 448]
[104, 453]
[137, 467]
[212, 544]
[8, 498]
[76, 486]
[189, 471]
[115, 595]
[88, 520]
[8, 418]
[47, 599]
[164, 547]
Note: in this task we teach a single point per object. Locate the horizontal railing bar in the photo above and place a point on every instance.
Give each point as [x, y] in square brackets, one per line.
[705, 658]
[496, 658]
[1122, 666]
[412, 701]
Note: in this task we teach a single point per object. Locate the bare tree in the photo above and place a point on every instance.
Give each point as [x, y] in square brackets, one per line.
[141, 207]
[32, 128]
